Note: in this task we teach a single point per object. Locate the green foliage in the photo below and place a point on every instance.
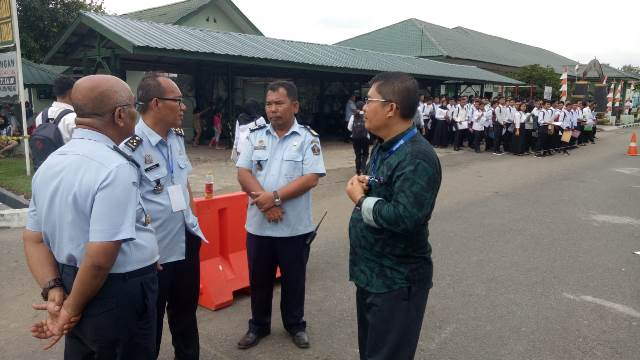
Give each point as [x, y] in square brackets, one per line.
[539, 76]
[43, 22]
[630, 69]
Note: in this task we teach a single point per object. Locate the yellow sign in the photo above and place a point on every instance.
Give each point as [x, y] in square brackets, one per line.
[6, 30]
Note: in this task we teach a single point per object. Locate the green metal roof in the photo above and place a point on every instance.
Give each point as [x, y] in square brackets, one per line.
[173, 13]
[418, 38]
[168, 14]
[37, 74]
[142, 37]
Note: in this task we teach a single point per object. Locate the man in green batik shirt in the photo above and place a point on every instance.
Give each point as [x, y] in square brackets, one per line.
[390, 256]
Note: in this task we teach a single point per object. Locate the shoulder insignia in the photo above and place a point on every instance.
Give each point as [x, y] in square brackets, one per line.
[257, 127]
[133, 143]
[313, 132]
[124, 155]
[178, 131]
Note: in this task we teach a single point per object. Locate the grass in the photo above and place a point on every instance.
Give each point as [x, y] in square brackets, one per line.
[13, 176]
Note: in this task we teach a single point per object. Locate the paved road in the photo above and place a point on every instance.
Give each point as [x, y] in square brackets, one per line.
[533, 260]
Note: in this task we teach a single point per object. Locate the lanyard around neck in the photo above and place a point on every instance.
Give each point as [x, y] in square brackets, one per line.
[374, 162]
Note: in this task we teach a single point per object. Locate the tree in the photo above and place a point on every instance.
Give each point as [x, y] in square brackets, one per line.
[42, 22]
[630, 69]
[539, 76]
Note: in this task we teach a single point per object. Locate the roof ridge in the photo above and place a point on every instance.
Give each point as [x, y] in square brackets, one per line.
[372, 31]
[425, 32]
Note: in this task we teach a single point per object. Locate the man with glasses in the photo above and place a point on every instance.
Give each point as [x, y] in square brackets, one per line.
[158, 147]
[390, 256]
[89, 243]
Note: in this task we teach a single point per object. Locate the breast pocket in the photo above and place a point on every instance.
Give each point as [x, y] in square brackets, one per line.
[259, 160]
[152, 175]
[292, 163]
[185, 168]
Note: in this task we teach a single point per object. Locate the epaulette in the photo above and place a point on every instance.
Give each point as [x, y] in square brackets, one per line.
[313, 132]
[257, 127]
[129, 158]
[178, 131]
[133, 143]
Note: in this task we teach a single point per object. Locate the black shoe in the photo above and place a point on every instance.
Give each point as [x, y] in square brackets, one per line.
[301, 339]
[250, 339]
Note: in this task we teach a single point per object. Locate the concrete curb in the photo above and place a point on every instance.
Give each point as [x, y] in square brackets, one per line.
[13, 218]
[12, 200]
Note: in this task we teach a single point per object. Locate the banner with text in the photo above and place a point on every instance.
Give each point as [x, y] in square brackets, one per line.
[8, 74]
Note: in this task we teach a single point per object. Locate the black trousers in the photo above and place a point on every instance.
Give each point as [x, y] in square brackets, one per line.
[389, 323]
[497, 137]
[120, 321]
[459, 136]
[179, 290]
[488, 139]
[477, 138]
[361, 148]
[265, 254]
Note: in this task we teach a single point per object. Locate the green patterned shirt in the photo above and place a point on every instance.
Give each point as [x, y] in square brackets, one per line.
[389, 236]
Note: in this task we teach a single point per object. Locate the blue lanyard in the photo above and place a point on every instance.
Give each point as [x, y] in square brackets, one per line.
[396, 146]
[167, 158]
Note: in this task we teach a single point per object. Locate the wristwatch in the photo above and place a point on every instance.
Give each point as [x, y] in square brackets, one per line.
[57, 282]
[276, 199]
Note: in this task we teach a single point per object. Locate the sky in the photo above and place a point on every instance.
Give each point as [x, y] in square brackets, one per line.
[578, 30]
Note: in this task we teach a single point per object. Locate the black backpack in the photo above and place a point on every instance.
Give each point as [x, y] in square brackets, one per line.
[46, 138]
[358, 131]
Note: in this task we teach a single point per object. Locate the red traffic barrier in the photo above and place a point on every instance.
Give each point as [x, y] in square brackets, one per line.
[223, 261]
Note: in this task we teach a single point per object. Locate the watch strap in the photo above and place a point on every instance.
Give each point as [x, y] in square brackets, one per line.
[54, 283]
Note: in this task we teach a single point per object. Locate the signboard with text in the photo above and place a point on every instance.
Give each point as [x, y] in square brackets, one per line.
[8, 74]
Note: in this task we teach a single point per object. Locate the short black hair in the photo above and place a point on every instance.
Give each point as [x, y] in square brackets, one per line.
[62, 85]
[290, 88]
[400, 89]
[149, 88]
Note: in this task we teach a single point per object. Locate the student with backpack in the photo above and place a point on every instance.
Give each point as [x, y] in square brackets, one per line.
[55, 124]
[359, 138]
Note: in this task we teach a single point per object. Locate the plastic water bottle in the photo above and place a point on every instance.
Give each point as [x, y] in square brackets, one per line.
[208, 186]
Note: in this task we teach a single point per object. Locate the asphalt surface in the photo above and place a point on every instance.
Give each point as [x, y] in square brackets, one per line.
[534, 259]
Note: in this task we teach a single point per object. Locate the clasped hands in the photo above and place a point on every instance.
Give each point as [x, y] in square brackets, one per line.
[264, 200]
[357, 187]
[60, 320]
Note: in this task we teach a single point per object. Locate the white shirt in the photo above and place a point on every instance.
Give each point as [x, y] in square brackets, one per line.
[66, 124]
[544, 116]
[488, 117]
[518, 118]
[478, 120]
[441, 113]
[350, 126]
[588, 115]
[460, 116]
[502, 114]
[242, 132]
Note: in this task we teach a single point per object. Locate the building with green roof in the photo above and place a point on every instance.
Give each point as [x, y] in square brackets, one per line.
[227, 68]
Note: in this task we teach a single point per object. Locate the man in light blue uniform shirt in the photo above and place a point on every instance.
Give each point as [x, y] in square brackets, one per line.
[278, 166]
[89, 236]
[164, 169]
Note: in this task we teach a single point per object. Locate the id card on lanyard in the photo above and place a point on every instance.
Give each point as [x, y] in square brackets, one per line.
[176, 196]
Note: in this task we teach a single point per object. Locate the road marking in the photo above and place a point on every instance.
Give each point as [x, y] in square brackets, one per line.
[629, 171]
[623, 309]
[637, 252]
[612, 219]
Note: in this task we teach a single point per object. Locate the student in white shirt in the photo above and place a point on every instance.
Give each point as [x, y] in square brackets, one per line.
[590, 122]
[519, 134]
[488, 125]
[545, 130]
[461, 123]
[62, 86]
[500, 122]
[477, 126]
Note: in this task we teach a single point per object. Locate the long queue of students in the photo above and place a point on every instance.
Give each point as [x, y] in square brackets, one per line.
[505, 125]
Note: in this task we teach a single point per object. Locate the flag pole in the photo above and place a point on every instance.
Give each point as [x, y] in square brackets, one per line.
[20, 84]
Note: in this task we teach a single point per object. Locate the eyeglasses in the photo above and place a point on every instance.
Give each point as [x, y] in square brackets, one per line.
[368, 100]
[178, 100]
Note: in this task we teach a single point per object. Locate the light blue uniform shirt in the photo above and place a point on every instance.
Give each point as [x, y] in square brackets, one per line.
[275, 162]
[164, 163]
[87, 192]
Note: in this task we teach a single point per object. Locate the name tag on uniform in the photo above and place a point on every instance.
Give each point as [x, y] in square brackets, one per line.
[176, 197]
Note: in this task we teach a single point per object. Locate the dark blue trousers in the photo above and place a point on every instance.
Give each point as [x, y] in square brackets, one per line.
[265, 255]
[120, 321]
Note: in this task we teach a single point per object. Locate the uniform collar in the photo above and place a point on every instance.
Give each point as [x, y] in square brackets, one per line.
[80, 133]
[385, 146]
[294, 128]
[153, 137]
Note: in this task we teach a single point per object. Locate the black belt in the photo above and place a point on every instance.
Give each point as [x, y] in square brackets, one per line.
[150, 269]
